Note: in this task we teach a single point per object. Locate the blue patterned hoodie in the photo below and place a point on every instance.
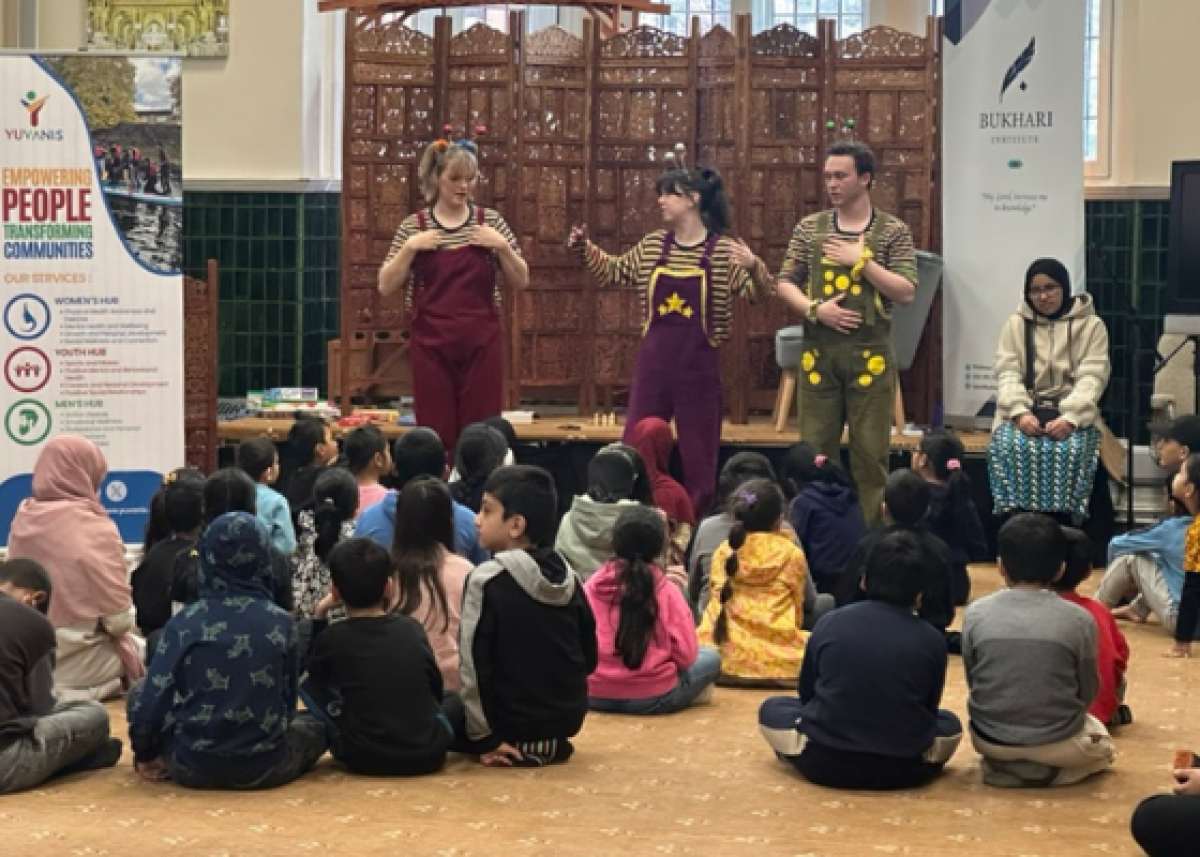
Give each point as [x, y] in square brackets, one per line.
[221, 688]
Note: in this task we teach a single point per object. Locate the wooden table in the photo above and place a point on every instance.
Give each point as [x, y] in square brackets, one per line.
[577, 429]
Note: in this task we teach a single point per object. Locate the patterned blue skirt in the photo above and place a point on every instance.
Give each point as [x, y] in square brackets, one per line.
[1039, 474]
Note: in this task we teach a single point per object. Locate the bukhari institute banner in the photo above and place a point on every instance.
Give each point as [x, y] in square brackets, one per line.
[1012, 162]
[91, 204]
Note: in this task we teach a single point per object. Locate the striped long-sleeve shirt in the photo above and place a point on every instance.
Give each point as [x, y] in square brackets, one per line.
[452, 239]
[636, 266]
[893, 248]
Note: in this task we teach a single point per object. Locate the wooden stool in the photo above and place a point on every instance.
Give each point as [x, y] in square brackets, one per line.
[785, 399]
[789, 345]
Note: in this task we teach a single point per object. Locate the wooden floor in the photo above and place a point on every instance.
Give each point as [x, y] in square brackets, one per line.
[697, 783]
[578, 429]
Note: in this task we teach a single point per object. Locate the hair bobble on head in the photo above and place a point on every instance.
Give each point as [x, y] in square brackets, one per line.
[169, 478]
[820, 460]
[954, 464]
[745, 496]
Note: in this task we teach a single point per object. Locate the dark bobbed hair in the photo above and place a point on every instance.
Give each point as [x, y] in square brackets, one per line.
[418, 452]
[176, 507]
[360, 569]
[256, 456]
[741, 467]
[1032, 548]
[908, 497]
[528, 491]
[1078, 561]
[897, 569]
[228, 490]
[801, 468]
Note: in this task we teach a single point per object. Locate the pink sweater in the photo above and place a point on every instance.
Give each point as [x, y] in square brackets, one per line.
[443, 630]
[673, 647]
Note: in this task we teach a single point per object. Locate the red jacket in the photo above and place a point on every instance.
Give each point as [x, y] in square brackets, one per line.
[1112, 658]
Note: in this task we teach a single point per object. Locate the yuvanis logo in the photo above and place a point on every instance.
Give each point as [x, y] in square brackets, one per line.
[1017, 119]
[33, 104]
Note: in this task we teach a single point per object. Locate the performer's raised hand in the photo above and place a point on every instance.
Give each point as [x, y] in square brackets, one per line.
[486, 236]
[742, 255]
[578, 236]
[831, 314]
[426, 239]
[844, 251]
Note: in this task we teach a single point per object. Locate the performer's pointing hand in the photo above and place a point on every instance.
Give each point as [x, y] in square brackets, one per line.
[845, 251]
[831, 314]
[742, 255]
[578, 235]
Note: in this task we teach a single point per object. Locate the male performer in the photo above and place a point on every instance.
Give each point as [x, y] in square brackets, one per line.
[843, 271]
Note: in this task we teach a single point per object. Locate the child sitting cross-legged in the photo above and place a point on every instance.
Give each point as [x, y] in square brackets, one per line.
[218, 707]
[755, 622]
[528, 639]
[1112, 656]
[650, 659]
[373, 678]
[867, 716]
[1031, 668]
[40, 737]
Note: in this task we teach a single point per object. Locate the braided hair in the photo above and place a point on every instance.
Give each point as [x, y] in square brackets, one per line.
[757, 507]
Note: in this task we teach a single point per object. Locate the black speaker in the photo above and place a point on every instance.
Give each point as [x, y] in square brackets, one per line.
[1183, 260]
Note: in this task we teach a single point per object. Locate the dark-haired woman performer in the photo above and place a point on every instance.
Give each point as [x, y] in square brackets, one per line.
[686, 273]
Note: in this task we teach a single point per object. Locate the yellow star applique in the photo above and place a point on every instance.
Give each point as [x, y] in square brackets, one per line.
[675, 304]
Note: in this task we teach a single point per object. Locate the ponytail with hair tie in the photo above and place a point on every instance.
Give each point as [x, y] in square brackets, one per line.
[954, 464]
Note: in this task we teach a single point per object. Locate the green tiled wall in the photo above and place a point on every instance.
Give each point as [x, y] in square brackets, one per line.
[279, 257]
[1127, 275]
[280, 252]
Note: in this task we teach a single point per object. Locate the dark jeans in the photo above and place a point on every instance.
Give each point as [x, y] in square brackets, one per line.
[1168, 825]
[779, 721]
[304, 745]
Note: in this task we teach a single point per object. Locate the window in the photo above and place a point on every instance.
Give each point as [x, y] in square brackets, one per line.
[850, 15]
[710, 13]
[1096, 62]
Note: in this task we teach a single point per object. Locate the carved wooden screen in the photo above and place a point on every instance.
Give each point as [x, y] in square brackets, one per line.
[201, 373]
[577, 130]
[554, 138]
[645, 91]
[391, 90]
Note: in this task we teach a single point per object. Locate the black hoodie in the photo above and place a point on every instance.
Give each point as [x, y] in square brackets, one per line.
[526, 646]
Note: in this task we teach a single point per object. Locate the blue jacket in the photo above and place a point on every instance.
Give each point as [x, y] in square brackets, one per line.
[378, 523]
[1163, 543]
[276, 515]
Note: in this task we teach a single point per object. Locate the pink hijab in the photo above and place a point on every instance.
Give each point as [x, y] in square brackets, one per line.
[64, 527]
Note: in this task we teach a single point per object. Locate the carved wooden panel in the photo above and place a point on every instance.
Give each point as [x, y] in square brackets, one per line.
[577, 130]
[200, 370]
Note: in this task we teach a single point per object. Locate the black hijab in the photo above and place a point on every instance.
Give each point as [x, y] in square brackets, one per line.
[1058, 272]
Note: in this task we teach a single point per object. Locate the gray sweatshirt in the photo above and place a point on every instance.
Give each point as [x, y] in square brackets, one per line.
[1031, 668]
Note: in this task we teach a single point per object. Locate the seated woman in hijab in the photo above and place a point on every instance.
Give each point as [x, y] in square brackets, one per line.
[1052, 366]
[65, 529]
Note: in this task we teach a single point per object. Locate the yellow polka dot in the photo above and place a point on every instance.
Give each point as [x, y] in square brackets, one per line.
[876, 365]
[808, 361]
[842, 282]
[856, 290]
[814, 378]
[829, 290]
[865, 380]
[866, 355]
[828, 276]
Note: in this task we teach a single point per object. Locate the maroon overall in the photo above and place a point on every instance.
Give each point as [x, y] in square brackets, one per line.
[456, 354]
[678, 371]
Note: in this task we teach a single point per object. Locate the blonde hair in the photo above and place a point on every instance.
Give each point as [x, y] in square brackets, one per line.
[438, 158]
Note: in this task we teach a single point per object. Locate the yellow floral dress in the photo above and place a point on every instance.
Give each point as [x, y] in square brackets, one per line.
[765, 611]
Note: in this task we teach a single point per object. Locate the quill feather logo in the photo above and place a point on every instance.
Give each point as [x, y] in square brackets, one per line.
[1014, 71]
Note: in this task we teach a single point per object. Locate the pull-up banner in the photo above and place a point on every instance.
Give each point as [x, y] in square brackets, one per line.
[91, 207]
[1012, 162]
